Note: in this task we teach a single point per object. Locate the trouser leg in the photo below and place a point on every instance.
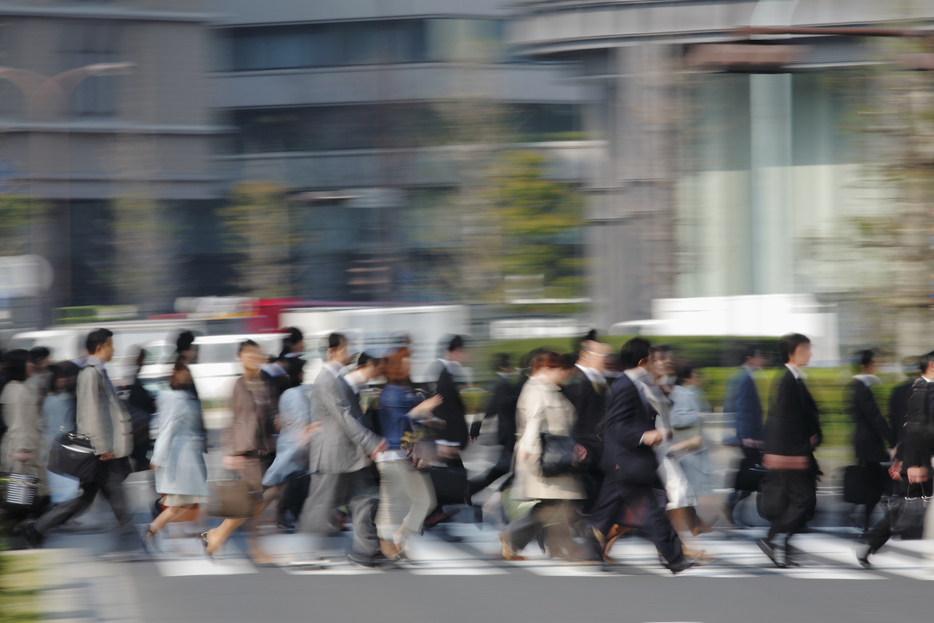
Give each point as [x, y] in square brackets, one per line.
[658, 527]
[608, 507]
[801, 495]
[362, 506]
[503, 466]
[71, 508]
[519, 533]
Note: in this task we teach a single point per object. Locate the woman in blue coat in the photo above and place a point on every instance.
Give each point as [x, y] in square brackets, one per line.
[178, 456]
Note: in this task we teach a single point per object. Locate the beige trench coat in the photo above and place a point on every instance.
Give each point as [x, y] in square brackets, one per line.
[542, 408]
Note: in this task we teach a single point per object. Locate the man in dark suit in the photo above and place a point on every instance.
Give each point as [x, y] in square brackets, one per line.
[586, 389]
[873, 434]
[898, 400]
[454, 436]
[502, 406]
[451, 486]
[792, 431]
[742, 400]
[630, 466]
[913, 452]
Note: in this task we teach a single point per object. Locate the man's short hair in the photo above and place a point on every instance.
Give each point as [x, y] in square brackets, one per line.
[788, 344]
[335, 340]
[590, 337]
[634, 351]
[501, 361]
[456, 343]
[366, 359]
[39, 353]
[185, 341]
[747, 352]
[246, 344]
[925, 361]
[863, 358]
[96, 339]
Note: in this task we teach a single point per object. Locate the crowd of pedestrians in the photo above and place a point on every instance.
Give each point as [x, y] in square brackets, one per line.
[594, 445]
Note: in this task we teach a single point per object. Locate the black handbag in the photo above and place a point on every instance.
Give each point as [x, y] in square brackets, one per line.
[750, 475]
[73, 455]
[908, 515]
[557, 455]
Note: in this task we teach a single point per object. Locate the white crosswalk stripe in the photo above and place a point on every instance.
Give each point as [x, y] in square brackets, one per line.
[185, 557]
[823, 556]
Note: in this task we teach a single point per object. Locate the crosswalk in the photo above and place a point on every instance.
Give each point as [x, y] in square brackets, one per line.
[476, 553]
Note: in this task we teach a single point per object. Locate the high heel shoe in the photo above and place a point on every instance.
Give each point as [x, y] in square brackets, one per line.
[203, 537]
[147, 537]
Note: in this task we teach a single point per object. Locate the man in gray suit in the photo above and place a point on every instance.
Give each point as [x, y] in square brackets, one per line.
[339, 459]
[101, 418]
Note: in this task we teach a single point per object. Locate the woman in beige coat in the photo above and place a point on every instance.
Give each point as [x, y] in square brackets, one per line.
[542, 408]
[24, 450]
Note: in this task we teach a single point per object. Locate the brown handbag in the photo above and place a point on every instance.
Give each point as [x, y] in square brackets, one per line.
[233, 499]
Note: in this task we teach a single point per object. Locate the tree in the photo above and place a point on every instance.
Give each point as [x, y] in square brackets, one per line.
[141, 275]
[257, 218]
[896, 121]
[540, 226]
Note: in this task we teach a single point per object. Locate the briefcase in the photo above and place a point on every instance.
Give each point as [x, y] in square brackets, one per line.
[233, 499]
[73, 455]
[907, 514]
[749, 476]
[772, 499]
[450, 483]
[856, 485]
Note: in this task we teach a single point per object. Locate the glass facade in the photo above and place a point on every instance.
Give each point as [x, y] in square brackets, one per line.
[386, 125]
[341, 44]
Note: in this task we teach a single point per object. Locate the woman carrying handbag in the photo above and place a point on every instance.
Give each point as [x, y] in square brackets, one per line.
[178, 456]
[542, 408]
[24, 452]
[406, 493]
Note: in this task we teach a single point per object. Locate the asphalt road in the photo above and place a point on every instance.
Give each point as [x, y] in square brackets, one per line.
[457, 575]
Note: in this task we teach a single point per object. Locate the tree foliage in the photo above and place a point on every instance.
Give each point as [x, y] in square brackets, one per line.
[257, 219]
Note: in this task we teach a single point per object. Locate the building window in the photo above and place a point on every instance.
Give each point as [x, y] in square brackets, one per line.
[386, 125]
[361, 43]
[89, 43]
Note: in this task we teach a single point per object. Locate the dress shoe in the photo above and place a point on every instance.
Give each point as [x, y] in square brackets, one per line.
[862, 555]
[728, 514]
[680, 565]
[376, 560]
[439, 517]
[507, 550]
[28, 531]
[769, 550]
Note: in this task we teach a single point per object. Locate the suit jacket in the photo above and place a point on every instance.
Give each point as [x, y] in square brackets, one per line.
[898, 408]
[590, 406]
[451, 410]
[919, 436]
[342, 445]
[250, 432]
[742, 399]
[100, 414]
[628, 417]
[872, 431]
[503, 406]
[793, 417]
